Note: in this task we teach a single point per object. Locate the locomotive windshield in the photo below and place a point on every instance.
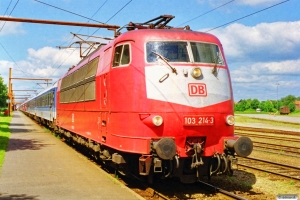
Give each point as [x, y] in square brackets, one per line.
[206, 53]
[178, 52]
[173, 51]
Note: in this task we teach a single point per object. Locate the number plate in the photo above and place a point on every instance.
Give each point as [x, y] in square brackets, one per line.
[197, 120]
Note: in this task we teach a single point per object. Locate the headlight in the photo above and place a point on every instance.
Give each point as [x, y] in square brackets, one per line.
[157, 120]
[230, 120]
[196, 72]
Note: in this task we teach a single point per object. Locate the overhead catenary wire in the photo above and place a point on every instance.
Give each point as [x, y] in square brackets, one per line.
[71, 42]
[94, 31]
[10, 13]
[247, 16]
[15, 62]
[5, 14]
[94, 14]
[19, 68]
[5, 48]
[206, 13]
[113, 16]
[90, 19]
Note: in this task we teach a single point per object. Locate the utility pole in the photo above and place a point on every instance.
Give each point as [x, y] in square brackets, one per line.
[277, 97]
[9, 93]
[10, 90]
[107, 26]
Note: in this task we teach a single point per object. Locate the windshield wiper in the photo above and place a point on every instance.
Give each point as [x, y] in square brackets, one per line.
[166, 61]
[216, 61]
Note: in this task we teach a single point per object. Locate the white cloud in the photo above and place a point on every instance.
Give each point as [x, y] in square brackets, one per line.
[265, 72]
[4, 66]
[263, 42]
[261, 56]
[258, 2]
[46, 62]
[216, 3]
[11, 28]
[259, 80]
[288, 67]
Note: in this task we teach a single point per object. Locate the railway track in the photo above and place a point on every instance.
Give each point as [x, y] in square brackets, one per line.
[265, 130]
[280, 169]
[223, 192]
[276, 148]
[172, 190]
[267, 137]
[272, 140]
[203, 187]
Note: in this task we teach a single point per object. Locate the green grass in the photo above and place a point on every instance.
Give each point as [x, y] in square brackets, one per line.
[295, 113]
[4, 136]
[245, 119]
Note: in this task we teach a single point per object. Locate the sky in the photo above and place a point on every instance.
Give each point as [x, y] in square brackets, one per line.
[261, 38]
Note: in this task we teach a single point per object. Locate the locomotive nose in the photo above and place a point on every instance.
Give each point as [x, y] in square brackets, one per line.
[242, 146]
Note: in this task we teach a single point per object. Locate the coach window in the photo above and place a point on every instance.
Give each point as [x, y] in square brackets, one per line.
[122, 55]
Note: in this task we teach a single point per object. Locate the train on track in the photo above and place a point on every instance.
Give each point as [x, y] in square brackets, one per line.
[156, 102]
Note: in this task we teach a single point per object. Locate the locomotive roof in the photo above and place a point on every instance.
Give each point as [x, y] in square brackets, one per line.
[168, 34]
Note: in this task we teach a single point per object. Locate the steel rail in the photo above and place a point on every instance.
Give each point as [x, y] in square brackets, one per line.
[266, 130]
[161, 196]
[282, 154]
[267, 137]
[222, 191]
[279, 147]
[274, 164]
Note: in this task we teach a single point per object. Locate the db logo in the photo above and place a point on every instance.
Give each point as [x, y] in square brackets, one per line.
[197, 89]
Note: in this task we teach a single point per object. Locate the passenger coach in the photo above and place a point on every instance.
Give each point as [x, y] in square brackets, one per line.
[43, 106]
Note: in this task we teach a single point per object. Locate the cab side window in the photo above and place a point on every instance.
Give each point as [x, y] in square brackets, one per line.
[122, 55]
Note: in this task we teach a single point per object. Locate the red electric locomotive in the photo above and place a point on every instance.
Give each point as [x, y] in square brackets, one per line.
[156, 101]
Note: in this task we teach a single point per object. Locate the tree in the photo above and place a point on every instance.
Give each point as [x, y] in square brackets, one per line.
[255, 104]
[237, 107]
[292, 107]
[3, 93]
[288, 99]
[290, 102]
[242, 105]
[248, 104]
[267, 106]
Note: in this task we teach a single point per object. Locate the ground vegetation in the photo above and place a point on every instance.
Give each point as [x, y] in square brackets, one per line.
[3, 94]
[266, 106]
[4, 136]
